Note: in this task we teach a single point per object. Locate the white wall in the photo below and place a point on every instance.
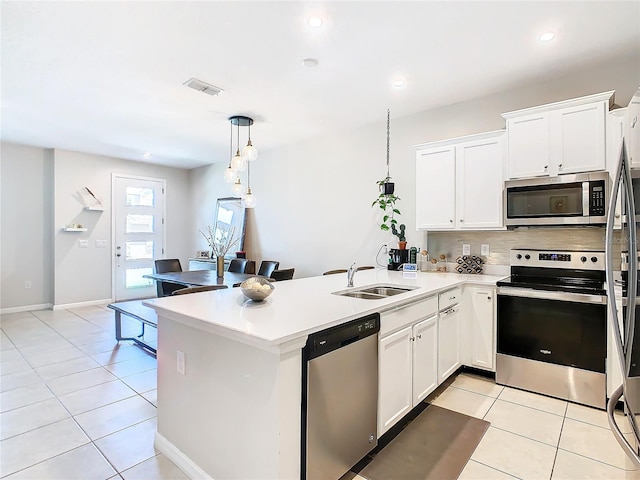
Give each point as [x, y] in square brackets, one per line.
[26, 194]
[314, 198]
[40, 196]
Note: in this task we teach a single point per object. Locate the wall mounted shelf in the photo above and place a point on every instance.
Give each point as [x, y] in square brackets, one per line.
[95, 209]
[71, 229]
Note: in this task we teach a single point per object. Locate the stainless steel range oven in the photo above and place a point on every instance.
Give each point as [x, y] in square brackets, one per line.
[552, 325]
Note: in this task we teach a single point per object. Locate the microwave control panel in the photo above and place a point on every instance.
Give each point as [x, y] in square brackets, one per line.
[597, 198]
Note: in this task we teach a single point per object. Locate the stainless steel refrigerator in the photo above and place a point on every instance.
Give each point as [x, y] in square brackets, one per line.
[626, 321]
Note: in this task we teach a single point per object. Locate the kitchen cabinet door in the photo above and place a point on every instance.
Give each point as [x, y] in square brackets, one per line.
[448, 342]
[479, 184]
[435, 188]
[578, 138]
[633, 130]
[394, 378]
[482, 315]
[425, 358]
[528, 146]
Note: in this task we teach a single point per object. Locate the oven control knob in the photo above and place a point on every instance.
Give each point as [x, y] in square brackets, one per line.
[518, 256]
[527, 256]
[583, 259]
[594, 259]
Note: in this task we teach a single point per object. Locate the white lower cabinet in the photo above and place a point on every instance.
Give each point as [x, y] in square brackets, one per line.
[448, 342]
[425, 358]
[395, 378]
[482, 316]
[407, 360]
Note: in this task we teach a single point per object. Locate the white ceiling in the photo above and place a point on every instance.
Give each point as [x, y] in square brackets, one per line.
[107, 77]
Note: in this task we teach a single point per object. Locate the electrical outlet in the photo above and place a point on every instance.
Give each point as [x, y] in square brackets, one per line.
[466, 249]
[484, 249]
[180, 362]
[83, 243]
[101, 244]
[27, 284]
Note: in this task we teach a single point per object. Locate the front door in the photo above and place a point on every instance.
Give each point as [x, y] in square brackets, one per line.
[139, 208]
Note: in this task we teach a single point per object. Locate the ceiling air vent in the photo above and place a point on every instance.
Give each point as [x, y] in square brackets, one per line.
[203, 87]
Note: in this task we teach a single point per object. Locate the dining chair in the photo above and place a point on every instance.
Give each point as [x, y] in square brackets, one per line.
[203, 288]
[166, 265]
[267, 267]
[238, 265]
[333, 272]
[280, 275]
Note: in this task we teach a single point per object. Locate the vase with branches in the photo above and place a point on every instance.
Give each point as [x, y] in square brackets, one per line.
[221, 238]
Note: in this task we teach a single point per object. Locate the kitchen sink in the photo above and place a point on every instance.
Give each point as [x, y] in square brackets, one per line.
[374, 292]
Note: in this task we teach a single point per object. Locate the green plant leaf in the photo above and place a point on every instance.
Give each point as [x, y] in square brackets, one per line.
[384, 227]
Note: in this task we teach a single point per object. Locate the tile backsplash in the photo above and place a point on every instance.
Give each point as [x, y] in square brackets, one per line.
[501, 242]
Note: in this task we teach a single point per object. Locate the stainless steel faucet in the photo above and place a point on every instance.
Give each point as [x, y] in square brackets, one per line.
[350, 273]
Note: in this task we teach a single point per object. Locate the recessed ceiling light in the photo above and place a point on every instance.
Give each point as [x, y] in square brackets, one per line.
[399, 82]
[315, 22]
[310, 62]
[547, 37]
[147, 155]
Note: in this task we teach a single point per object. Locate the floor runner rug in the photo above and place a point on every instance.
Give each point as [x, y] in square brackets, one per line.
[436, 445]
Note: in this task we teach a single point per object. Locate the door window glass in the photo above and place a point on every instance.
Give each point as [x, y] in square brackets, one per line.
[140, 197]
[138, 223]
[134, 279]
[139, 250]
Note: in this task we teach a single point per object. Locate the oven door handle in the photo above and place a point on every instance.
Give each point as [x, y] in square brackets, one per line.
[547, 295]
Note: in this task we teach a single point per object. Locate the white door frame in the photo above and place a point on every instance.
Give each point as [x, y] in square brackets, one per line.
[114, 176]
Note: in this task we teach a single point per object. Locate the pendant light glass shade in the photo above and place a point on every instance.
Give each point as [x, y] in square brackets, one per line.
[238, 163]
[238, 188]
[249, 200]
[249, 152]
[229, 174]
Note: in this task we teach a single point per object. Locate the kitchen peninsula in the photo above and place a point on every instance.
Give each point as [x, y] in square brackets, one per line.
[229, 370]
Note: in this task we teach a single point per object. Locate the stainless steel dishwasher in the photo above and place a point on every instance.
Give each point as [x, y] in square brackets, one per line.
[339, 398]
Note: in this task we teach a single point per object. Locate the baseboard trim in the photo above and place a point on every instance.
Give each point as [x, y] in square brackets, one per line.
[67, 306]
[26, 308]
[183, 462]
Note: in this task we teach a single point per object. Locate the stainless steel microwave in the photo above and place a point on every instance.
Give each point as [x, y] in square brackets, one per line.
[580, 199]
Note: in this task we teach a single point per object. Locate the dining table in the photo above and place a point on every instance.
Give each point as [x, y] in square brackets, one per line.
[199, 278]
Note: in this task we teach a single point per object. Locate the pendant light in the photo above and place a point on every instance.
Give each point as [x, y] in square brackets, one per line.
[249, 200]
[229, 173]
[240, 161]
[249, 152]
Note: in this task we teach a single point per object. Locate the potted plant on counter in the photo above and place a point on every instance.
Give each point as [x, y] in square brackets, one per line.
[402, 240]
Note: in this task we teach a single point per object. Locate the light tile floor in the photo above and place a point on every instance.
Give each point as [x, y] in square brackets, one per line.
[76, 405]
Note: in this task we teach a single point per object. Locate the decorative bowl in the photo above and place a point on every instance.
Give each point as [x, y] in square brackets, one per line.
[257, 288]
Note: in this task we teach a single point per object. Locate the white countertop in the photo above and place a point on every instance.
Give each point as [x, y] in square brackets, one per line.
[302, 306]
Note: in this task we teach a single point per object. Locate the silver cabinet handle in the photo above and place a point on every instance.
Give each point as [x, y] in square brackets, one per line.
[461, 220]
[450, 221]
[546, 166]
[559, 165]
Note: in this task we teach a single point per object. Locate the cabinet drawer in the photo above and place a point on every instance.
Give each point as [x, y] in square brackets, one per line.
[396, 319]
[450, 297]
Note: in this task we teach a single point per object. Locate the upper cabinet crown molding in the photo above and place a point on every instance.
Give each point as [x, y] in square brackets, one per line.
[574, 102]
[465, 138]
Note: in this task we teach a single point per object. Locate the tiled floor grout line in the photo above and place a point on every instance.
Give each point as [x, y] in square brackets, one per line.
[555, 457]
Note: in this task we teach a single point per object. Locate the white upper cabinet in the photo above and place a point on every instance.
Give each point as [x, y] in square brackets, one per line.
[459, 183]
[563, 137]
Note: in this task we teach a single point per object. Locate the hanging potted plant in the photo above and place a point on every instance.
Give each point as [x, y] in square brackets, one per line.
[386, 201]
